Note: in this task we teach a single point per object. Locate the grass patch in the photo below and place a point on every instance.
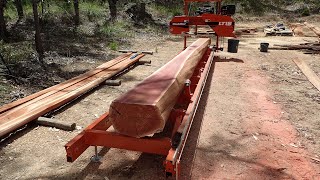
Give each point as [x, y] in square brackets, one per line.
[113, 46]
[93, 10]
[16, 52]
[5, 89]
[118, 29]
[168, 10]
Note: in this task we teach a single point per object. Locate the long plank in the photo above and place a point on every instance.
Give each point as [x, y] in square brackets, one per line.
[65, 84]
[68, 86]
[29, 113]
[144, 110]
[312, 76]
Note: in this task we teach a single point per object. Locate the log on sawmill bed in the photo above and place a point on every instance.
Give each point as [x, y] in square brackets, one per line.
[144, 110]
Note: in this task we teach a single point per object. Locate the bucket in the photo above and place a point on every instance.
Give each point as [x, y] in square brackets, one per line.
[264, 47]
[233, 45]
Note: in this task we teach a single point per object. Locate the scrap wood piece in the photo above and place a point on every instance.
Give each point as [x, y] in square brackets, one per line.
[311, 75]
[62, 85]
[112, 82]
[315, 29]
[67, 126]
[23, 116]
[144, 110]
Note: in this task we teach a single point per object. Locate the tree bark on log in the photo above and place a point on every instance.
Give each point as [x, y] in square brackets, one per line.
[38, 40]
[144, 110]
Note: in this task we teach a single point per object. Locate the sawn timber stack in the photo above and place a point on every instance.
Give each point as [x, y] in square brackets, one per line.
[19, 113]
[144, 110]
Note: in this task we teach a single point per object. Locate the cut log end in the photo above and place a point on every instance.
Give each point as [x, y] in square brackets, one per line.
[140, 122]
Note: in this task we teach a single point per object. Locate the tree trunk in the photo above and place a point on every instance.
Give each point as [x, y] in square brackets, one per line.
[19, 7]
[113, 9]
[76, 11]
[2, 21]
[38, 41]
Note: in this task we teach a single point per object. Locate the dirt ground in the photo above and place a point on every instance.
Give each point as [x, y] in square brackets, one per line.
[258, 119]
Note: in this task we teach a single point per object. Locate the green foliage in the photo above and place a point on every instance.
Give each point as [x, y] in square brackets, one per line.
[173, 10]
[10, 12]
[305, 11]
[113, 46]
[119, 29]
[93, 10]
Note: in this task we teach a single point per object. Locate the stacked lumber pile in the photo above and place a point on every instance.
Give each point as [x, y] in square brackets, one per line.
[144, 110]
[20, 112]
[308, 48]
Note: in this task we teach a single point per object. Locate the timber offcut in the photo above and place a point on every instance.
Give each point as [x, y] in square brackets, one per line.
[144, 110]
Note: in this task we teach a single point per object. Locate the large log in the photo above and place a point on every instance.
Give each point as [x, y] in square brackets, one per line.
[144, 110]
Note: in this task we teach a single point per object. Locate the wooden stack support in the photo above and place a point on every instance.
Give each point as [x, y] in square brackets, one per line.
[144, 110]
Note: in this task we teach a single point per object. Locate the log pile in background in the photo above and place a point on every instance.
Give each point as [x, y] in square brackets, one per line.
[19, 113]
[144, 110]
[245, 31]
[308, 48]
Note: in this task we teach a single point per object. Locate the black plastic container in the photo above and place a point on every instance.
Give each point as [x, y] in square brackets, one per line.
[233, 45]
[264, 47]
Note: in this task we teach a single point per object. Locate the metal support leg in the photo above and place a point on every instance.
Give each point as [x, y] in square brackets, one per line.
[95, 157]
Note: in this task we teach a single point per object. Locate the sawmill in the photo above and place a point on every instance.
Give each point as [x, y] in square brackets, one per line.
[181, 89]
[157, 114]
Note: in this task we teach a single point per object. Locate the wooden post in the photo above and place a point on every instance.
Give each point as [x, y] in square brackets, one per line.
[144, 110]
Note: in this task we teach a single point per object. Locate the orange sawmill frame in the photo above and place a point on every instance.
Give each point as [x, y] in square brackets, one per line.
[169, 143]
[186, 13]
